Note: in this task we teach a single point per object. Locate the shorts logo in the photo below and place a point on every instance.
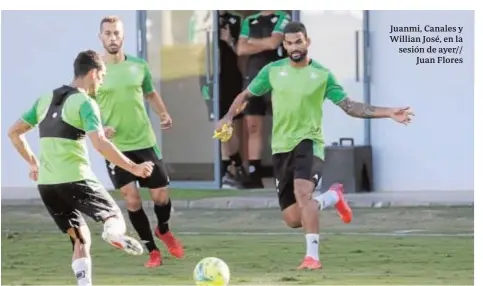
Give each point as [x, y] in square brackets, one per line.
[274, 19]
[317, 180]
[112, 167]
[276, 185]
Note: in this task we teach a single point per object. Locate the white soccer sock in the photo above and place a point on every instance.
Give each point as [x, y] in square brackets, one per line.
[327, 199]
[114, 226]
[312, 241]
[82, 271]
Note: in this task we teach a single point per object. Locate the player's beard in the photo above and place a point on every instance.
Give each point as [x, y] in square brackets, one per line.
[113, 49]
[298, 55]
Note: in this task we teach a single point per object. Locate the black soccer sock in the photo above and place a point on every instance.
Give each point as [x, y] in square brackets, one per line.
[224, 166]
[255, 168]
[140, 222]
[163, 213]
[236, 158]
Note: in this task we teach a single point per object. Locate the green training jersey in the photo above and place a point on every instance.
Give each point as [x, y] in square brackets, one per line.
[121, 100]
[297, 98]
[64, 160]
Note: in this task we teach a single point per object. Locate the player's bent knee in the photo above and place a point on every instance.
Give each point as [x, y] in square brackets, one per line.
[293, 223]
[160, 196]
[132, 198]
[292, 216]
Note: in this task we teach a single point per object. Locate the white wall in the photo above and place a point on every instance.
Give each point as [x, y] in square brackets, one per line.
[38, 50]
[333, 45]
[436, 151]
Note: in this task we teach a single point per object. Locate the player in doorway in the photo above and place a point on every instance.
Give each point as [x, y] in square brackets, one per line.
[260, 40]
[231, 82]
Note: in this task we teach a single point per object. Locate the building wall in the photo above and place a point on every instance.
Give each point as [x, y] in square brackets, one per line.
[436, 151]
[38, 50]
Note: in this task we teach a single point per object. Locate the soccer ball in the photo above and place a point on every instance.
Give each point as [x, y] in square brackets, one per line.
[211, 271]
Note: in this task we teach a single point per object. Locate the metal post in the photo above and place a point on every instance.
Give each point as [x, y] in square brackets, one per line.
[367, 73]
[216, 95]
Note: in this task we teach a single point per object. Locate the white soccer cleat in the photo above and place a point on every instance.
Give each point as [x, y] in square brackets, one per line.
[123, 242]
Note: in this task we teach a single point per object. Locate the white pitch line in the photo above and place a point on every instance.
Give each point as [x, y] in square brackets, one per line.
[214, 233]
[392, 234]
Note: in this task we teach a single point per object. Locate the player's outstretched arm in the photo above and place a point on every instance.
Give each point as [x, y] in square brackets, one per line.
[258, 86]
[17, 137]
[361, 110]
[338, 96]
[223, 129]
[238, 105]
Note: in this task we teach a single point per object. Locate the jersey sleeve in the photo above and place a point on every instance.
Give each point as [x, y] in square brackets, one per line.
[30, 116]
[283, 20]
[245, 28]
[260, 85]
[334, 91]
[90, 116]
[148, 85]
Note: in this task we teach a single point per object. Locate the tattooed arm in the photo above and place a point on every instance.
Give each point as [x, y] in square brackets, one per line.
[362, 110]
[338, 96]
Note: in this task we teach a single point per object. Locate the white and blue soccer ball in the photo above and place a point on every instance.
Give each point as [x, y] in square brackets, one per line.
[211, 271]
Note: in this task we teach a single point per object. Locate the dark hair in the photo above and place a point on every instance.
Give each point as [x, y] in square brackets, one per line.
[295, 27]
[109, 19]
[85, 62]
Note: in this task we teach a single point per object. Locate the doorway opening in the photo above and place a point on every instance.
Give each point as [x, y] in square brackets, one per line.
[267, 167]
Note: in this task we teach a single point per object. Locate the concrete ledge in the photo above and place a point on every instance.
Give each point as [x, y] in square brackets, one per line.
[258, 203]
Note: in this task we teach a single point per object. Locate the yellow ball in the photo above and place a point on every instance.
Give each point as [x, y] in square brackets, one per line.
[211, 271]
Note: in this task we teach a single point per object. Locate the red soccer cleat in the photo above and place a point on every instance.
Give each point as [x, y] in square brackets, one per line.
[154, 259]
[310, 264]
[342, 206]
[174, 246]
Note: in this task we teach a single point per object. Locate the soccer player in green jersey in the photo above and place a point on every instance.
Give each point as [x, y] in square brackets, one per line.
[66, 182]
[299, 87]
[121, 98]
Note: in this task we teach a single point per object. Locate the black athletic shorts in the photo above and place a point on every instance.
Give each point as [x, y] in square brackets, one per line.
[300, 163]
[66, 202]
[257, 105]
[158, 179]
